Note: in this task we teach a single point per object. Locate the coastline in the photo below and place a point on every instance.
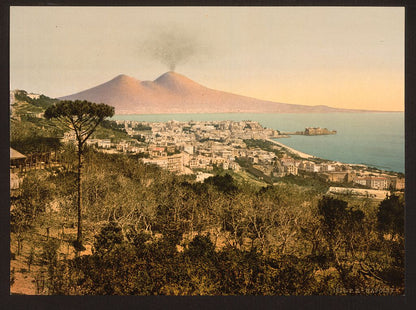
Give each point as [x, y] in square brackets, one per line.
[308, 156]
[388, 160]
[299, 153]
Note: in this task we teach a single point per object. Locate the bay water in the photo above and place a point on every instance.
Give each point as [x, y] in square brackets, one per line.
[374, 139]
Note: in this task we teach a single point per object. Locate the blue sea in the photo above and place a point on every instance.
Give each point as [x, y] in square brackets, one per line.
[373, 139]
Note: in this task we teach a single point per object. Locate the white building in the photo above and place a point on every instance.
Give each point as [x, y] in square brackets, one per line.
[310, 166]
[373, 182]
[327, 168]
[188, 148]
[172, 163]
[104, 143]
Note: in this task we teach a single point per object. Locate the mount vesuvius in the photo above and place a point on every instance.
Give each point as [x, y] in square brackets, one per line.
[175, 93]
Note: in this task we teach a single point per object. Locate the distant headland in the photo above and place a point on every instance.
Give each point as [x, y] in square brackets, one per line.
[311, 131]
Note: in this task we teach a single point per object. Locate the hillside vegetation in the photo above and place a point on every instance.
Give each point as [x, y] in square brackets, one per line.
[163, 234]
[31, 133]
[150, 232]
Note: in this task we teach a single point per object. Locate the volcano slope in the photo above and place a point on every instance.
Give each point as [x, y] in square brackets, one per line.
[175, 93]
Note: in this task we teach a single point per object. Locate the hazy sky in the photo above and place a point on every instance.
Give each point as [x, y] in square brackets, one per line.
[336, 56]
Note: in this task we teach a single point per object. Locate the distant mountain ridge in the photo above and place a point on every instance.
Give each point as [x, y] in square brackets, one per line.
[175, 93]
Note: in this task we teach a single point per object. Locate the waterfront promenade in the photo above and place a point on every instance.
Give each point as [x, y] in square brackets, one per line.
[299, 153]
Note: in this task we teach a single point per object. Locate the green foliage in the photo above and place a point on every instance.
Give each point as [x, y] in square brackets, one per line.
[35, 144]
[49, 254]
[311, 180]
[243, 162]
[176, 151]
[109, 236]
[21, 95]
[110, 129]
[137, 238]
[227, 272]
[34, 195]
[340, 224]
[114, 135]
[223, 183]
[390, 224]
[221, 140]
[334, 212]
[139, 155]
[390, 216]
[260, 175]
[79, 110]
[142, 127]
[42, 101]
[171, 236]
[264, 145]
[169, 226]
[81, 116]
[201, 247]
[112, 125]
[139, 138]
[32, 135]
[350, 250]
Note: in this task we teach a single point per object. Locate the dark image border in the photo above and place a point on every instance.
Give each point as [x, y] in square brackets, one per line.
[232, 302]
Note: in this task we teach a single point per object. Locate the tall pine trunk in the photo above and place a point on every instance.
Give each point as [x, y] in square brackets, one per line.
[79, 232]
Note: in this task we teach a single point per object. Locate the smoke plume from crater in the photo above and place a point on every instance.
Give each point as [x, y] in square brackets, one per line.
[172, 46]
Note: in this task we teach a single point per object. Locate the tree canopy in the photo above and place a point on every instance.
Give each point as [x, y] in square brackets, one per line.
[390, 217]
[81, 116]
